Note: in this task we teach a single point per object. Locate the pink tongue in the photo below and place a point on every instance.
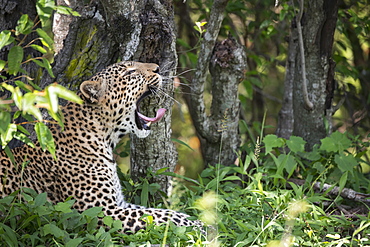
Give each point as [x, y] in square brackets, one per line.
[160, 114]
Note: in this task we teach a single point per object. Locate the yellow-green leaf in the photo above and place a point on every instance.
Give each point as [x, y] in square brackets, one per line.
[45, 38]
[5, 38]
[24, 25]
[66, 94]
[39, 48]
[7, 136]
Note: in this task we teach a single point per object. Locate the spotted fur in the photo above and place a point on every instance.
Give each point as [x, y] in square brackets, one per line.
[85, 168]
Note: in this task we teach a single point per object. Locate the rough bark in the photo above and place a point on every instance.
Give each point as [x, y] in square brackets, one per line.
[112, 30]
[227, 68]
[286, 116]
[157, 44]
[318, 26]
[196, 104]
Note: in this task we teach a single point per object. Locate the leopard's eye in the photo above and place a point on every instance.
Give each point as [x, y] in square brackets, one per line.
[130, 72]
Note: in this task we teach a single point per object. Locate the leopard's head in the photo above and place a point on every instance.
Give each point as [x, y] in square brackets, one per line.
[118, 91]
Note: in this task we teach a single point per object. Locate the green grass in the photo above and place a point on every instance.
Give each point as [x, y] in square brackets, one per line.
[252, 204]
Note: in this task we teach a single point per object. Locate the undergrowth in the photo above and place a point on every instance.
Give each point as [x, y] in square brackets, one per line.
[256, 204]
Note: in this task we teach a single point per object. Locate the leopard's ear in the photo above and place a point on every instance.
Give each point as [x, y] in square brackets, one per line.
[92, 91]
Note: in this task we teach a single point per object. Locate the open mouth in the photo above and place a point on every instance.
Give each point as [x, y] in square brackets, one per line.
[142, 121]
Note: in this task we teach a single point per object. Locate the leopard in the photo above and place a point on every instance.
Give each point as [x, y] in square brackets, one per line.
[84, 167]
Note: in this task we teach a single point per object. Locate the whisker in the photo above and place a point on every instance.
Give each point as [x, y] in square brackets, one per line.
[168, 80]
[156, 92]
[186, 93]
[185, 71]
[165, 68]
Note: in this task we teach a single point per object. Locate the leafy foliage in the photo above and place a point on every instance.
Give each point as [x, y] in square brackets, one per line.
[244, 206]
[26, 96]
[338, 158]
[28, 219]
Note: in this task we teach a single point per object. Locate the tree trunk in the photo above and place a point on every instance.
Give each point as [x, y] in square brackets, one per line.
[112, 30]
[157, 44]
[227, 68]
[318, 26]
[227, 63]
[286, 114]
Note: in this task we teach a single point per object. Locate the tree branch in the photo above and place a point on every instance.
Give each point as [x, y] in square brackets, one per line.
[335, 191]
[308, 103]
[201, 121]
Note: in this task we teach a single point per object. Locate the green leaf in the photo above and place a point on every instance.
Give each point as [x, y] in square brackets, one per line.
[29, 106]
[45, 138]
[296, 144]
[26, 222]
[47, 66]
[23, 138]
[117, 225]
[45, 10]
[345, 162]
[336, 142]
[2, 64]
[52, 97]
[4, 121]
[53, 230]
[23, 86]
[39, 48]
[232, 178]
[40, 199]
[5, 38]
[66, 94]
[290, 165]
[66, 10]
[343, 181]
[182, 143]
[7, 136]
[18, 98]
[74, 242]
[160, 171]
[63, 207]
[144, 193]
[108, 221]
[10, 235]
[39, 63]
[24, 25]
[93, 212]
[363, 225]
[45, 38]
[22, 129]
[272, 141]
[15, 57]
[34, 111]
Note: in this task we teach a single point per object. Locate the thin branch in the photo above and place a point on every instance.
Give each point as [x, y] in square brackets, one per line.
[209, 39]
[335, 191]
[308, 103]
[18, 77]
